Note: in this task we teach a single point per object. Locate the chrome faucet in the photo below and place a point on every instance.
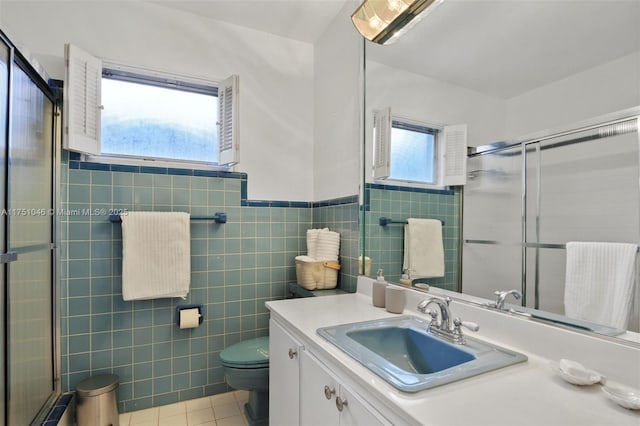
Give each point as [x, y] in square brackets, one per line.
[443, 327]
[501, 295]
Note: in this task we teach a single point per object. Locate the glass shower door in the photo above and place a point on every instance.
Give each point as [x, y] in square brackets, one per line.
[30, 357]
[587, 190]
[4, 99]
[492, 223]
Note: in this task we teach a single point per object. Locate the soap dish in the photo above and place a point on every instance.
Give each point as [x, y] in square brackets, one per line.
[575, 373]
[622, 395]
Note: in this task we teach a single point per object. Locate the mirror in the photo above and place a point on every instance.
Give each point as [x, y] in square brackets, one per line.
[541, 76]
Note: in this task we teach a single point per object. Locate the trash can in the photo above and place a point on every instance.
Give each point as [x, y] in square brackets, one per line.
[96, 401]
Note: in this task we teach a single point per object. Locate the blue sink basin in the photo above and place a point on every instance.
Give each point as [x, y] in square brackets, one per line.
[411, 350]
[401, 351]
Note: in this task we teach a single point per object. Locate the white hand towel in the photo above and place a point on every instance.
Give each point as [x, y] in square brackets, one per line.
[156, 255]
[600, 279]
[423, 248]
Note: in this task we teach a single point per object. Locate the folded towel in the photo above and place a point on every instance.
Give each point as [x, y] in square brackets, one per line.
[156, 255]
[423, 248]
[600, 279]
[328, 245]
[312, 239]
[323, 244]
[305, 258]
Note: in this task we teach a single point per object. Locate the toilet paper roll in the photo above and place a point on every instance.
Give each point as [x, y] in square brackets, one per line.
[189, 318]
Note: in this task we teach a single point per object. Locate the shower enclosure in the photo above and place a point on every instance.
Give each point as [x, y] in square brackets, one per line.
[27, 253]
[523, 202]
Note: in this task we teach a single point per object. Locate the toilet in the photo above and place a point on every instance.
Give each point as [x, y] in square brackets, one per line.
[246, 367]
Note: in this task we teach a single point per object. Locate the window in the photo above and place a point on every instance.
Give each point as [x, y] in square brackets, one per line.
[113, 112]
[411, 152]
[151, 119]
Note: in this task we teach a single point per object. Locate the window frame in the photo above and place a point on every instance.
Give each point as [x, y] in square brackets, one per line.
[161, 80]
[82, 110]
[450, 151]
[414, 126]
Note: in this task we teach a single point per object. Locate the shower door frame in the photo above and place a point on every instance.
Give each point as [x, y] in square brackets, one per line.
[632, 114]
[17, 59]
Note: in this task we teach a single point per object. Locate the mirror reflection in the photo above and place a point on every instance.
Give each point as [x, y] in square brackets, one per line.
[557, 83]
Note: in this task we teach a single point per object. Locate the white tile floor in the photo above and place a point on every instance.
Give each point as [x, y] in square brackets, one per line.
[226, 409]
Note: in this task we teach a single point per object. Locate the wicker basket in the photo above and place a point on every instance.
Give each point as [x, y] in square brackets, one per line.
[317, 275]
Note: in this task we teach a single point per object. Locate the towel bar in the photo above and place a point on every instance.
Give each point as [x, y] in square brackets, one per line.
[218, 218]
[384, 221]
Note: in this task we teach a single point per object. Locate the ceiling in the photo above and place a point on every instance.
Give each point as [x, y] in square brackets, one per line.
[508, 47]
[303, 20]
[499, 47]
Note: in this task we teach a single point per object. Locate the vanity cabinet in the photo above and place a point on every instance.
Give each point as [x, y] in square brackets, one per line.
[303, 391]
[284, 376]
[324, 400]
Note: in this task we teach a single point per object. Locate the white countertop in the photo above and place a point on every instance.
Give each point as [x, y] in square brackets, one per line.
[523, 394]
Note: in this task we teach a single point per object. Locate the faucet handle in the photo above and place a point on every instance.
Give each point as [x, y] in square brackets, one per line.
[422, 306]
[434, 318]
[473, 326]
[432, 313]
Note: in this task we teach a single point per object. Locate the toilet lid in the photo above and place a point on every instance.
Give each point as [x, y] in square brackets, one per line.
[252, 353]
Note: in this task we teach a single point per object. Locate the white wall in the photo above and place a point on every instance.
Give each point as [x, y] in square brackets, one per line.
[337, 94]
[276, 74]
[607, 88]
[423, 99]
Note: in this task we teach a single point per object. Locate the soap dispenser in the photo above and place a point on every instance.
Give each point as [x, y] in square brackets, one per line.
[405, 280]
[379, 290]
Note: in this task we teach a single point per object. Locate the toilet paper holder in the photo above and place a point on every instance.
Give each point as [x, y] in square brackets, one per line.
[181, 307]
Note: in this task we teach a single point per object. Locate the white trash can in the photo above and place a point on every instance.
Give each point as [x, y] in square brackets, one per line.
[96, 403]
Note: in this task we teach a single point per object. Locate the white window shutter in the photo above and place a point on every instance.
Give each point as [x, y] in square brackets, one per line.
[228, 136]
[454, 155]
[382, 143]
[83, 80]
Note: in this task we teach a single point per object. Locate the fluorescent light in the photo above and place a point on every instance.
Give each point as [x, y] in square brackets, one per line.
[382, 20]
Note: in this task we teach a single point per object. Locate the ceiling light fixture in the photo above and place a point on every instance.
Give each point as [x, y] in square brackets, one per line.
[382, 21]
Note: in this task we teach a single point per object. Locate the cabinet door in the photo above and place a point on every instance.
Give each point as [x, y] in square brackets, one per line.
[284, 377]
[324, 401]
[357, 412]
[316, 384]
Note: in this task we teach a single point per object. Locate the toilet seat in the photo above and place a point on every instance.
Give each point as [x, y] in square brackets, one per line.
[252, 353]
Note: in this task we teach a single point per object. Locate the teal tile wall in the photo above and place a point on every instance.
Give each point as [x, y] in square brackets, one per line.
[236, 268]
[385, 244]
[342, 217]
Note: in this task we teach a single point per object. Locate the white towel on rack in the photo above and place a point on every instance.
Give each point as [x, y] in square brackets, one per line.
[599, 284]
[156, 255]
[423, 248]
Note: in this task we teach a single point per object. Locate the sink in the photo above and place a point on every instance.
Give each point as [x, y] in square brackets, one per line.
[403, 353]
[410, 350]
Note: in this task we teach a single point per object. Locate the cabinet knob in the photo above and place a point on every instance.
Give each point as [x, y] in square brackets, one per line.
[341, 403]
[328, 392]
[292, 353]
